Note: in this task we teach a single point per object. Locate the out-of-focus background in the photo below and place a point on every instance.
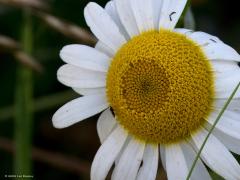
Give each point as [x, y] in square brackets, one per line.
[32, 32]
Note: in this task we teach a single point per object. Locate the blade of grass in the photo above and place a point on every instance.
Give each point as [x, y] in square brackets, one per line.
[23, 106]
[211, 129]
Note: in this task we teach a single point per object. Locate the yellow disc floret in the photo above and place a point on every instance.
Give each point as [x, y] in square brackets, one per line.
[160, 86]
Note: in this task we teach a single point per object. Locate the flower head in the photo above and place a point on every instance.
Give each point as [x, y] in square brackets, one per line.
[165, 86]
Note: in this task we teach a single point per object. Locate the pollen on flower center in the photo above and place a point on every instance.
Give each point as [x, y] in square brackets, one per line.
[160, 86]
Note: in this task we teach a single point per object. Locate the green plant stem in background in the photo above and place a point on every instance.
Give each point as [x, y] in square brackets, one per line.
[24, 106]
[211, 129]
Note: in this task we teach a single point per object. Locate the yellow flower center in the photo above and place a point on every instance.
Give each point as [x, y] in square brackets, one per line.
[160, 86]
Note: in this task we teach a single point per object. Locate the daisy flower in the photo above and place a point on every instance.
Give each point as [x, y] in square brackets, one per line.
[160, 89]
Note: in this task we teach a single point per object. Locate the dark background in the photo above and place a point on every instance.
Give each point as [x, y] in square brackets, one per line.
[67, 153]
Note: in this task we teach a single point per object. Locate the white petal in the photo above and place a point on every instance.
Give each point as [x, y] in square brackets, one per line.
[220, 51]
[220, 66]
[129, 162]
[212, 46]
[226, 82]
[143, 13]
[148, 170]
[176, 166]
[228, 124]
[164, 15]
[183, 31]
[233, 106]
[227, 113]
[90, 91]
[216, 156]
[85, 57]
[107, 154]
[112, 11]
[78, 110]
[170, 13]
[126, 16]
[163, 156]
[103, 26]
[203, 38]
[233, 115]
[157, 6]
[232, 143]
[77, 77]
[200, 171]
[100, 46]
[105, 124]
[122, 150]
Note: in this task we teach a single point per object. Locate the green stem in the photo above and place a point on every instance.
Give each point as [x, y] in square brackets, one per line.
[24, 106]
[211, 129]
